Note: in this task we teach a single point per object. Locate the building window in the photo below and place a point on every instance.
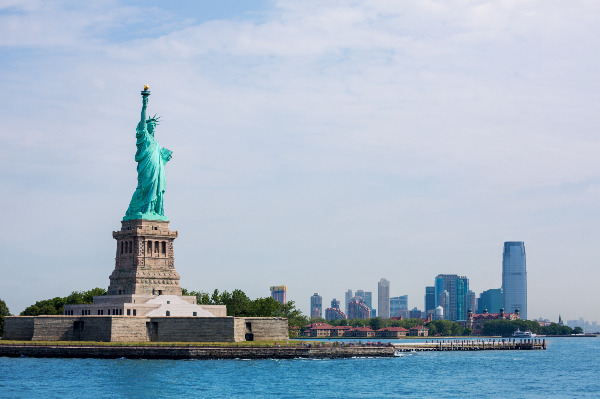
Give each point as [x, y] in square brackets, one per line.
[156, 246]
[134, 312]
[121, 246]
[150, 247]
[168, 302]
[195, 313]
[168, 313]
[164, 247]
[128, 312]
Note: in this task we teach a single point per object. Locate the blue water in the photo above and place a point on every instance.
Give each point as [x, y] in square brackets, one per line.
[570, 368]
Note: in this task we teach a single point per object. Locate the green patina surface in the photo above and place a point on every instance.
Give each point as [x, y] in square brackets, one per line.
[147, 200]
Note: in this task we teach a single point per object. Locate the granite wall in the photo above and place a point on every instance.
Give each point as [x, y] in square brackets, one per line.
[143, 329]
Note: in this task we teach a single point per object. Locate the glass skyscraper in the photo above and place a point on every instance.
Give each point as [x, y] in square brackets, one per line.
[457, 288]
[514, 278]
[490, 300]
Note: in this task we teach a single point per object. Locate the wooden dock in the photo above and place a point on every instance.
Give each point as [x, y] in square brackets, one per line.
[472, 345]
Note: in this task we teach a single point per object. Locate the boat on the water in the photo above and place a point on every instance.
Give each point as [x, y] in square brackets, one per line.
[524, 334]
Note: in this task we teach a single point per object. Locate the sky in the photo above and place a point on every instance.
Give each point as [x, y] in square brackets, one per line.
[323, 145]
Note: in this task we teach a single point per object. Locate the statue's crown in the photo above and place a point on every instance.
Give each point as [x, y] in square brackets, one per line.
[155, 119]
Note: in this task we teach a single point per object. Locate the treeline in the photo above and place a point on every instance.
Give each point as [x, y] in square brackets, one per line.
[237, 302]
[506, 328]
[240, 305]
[55, 306]
[3, 312]
[436, 327]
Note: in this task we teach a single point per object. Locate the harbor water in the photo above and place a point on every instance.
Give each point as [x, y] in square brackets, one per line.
[570, 367]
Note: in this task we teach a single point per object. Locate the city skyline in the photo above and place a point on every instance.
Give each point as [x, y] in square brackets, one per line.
[398, 139]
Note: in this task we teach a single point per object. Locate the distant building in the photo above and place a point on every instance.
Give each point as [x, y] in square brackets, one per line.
[383, 298]
[348, 298]
[367, 297]
[490, 300]
[334, 314]
[457, 287]
[514, 277]
[429, 299]
[415, 314]
[335, 304]
[358, 310]
[475, 321]
[398, 303]
[471, 301]
[316, 306]
[444, 303]
[391, 332]
[418, 331]
[278, 292]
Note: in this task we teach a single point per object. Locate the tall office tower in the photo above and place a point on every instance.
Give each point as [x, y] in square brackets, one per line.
[335, 304]
[369, 299]
[383, 298]
[316, 306]
[429, 300]
[471, 301]
[278, 292]
[395, 306]
[490, 300]
[457, 287]
[514, 278]
[347, 299]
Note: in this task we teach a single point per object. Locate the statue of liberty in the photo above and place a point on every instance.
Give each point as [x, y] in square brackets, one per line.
[147, 200]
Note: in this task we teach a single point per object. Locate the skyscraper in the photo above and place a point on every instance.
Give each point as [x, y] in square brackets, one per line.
[490, 300]
[514, 278]
[358, 309]
[334, 312]
[457, 287]
[347, 299]
[471, 301]
[429, 300]
[398, 303]
[278, 292]
[316, 306]
[383, 298]
[335, 304]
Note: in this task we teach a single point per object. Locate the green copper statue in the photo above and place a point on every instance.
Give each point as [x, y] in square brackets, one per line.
[147, 200]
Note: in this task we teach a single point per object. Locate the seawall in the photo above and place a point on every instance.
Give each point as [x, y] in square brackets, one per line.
[149, 352]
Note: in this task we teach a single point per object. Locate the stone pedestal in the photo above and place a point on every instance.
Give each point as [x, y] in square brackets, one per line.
[145, 261]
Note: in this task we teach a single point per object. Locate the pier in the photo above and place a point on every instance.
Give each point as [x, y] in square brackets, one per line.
[473, 345]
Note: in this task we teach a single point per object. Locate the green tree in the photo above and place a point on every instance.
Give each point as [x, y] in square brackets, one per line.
[577, 330]
[3, 312]
[55, 306]
[376, 323]
[265, 307]
[443, 328]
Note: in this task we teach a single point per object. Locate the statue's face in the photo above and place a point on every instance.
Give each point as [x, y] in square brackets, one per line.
[151, 126]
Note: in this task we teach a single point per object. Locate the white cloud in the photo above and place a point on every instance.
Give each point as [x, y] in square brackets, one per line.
[397, 139]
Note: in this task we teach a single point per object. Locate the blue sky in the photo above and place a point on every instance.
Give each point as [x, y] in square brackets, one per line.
[318, 144]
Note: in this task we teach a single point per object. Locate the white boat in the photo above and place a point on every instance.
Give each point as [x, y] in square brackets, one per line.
[524, 334]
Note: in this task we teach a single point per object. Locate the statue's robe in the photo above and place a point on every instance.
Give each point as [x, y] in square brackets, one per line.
[147, 200]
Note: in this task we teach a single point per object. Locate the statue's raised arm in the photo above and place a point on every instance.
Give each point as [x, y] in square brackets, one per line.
[145, 95]
[147, 200]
